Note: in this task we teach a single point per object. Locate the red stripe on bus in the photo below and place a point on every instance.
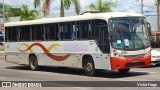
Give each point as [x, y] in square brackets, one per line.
[54, 57]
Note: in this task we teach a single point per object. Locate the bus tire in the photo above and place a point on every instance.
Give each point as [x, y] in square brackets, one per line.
[89, 67]
[33, 63]
[124, 71]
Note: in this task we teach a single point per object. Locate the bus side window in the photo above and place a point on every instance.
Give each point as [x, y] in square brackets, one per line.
[14, 34]
[60, 32]
[77, 30]
[90, 30]
[37, 33]
[84, 30]
[7, 34]
[50, 30]
[73, 31]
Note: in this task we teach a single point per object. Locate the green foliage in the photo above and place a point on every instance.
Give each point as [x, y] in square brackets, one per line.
[16, 11]
[7, 13]
[64, 4]
[157, 2]
[102, 6]
[77, 6]
[26, 14]
[67, 4]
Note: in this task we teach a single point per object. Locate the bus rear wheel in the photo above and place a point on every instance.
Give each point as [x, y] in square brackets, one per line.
[89, 67]
[33, 63]
[124, 71]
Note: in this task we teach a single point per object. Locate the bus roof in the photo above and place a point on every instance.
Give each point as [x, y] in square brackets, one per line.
[86, 16]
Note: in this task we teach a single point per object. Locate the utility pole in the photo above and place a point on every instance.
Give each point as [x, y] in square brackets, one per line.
[142, 7]
[3, 13]
[158, 28]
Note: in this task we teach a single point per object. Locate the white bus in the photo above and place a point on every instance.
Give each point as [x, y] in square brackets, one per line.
[93, 41]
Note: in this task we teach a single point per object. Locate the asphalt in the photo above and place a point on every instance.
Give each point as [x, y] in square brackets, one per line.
[14, 72]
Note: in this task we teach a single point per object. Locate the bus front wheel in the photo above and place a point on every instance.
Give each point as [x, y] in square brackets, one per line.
[123, 71]
[89, 67]
[33, 63]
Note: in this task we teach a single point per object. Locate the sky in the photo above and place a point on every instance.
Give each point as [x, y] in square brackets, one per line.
[122, 5]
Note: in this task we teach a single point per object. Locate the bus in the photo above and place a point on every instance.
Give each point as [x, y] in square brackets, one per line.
[92, 41]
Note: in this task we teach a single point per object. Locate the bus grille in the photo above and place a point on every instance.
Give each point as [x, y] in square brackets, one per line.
[134, 56]
[135, 64]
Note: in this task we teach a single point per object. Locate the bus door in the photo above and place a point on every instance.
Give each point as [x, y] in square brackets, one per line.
[103, 44]
[102, 39]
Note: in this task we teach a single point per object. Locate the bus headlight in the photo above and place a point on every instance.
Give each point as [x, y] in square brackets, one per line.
[117, 54]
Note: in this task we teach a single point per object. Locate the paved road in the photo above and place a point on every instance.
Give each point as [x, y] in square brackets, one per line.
[13, 72]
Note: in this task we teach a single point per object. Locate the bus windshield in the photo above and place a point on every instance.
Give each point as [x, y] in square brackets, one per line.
[129, 33]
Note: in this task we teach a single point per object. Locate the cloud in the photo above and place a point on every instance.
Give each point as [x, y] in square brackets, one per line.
[133, 6]
[84, 3]
[18, 3]
[123, 5]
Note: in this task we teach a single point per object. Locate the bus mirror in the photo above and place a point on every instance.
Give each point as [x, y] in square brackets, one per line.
[149, 29]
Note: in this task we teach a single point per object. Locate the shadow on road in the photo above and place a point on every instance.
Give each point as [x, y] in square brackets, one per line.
[153, 66]
[73, 71]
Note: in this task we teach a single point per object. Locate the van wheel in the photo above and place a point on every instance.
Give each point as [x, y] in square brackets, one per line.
[124, 71]
[89, 67]
[33, 63]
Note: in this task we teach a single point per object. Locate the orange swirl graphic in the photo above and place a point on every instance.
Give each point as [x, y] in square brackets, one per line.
[54, 57]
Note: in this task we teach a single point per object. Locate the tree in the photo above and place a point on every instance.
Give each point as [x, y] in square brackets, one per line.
[26, 14]
[64, 4]
[46, 6]
[102, 6]
[7, 13]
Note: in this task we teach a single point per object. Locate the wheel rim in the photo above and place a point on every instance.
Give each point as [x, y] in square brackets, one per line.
[33, 63]
[89, 67]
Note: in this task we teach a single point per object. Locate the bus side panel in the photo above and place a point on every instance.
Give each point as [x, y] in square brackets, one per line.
[23, 58]
[47, 53]
[72, 49]
[40, 58]
[11, 55]
[12, 58]
[101, 61]
[69, 62]
[105, 62]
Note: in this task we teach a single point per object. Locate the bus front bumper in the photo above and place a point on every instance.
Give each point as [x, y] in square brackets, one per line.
[123, 63]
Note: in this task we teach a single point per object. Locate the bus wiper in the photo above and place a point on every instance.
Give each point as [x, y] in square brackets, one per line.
[122, 38]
